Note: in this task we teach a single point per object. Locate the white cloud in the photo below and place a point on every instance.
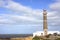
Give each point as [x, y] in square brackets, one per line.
[26, 18]
[17, 7]
[17, 19]
[4, 2]
[55, 5]
[29, 14]
[54, 19]
[30, 17]
[4, 20]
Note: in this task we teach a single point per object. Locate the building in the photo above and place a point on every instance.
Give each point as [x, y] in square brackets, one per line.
[41, 33]
[45, 27]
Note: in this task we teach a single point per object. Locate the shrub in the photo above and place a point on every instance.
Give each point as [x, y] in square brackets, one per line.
[58, 39]
[36, 38]
[55, 34]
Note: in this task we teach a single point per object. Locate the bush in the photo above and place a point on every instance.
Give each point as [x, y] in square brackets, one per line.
[58, 39]
[55, 34]
[47, 36]
[36, 38]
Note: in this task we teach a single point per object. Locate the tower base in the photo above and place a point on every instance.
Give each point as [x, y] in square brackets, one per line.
[45, 32]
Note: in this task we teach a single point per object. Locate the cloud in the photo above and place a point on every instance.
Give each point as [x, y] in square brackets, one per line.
[55, 5]
[5, 20]
[26, 18]
[17, 19]
[54, 19]
[29, 15]
[17, 7]
[4, 2]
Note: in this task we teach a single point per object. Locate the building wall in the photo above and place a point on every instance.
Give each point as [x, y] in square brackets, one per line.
[38, 33]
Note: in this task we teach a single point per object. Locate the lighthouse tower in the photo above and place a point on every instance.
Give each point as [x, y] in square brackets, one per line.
[45, 28]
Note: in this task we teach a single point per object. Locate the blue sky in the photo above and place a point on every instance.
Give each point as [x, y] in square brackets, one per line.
[25, 16]
[36, 4]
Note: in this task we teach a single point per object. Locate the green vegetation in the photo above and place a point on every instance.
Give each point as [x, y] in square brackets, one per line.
[58, 39]
[36, 38]
[46, 39]
[55, 34]
[47, 36]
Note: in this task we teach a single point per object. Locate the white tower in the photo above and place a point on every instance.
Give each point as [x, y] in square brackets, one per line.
[45, 28]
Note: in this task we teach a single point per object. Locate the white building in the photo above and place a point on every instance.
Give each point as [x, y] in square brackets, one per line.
[39, 33]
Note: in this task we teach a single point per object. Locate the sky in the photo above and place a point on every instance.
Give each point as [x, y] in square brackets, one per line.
[26, 16]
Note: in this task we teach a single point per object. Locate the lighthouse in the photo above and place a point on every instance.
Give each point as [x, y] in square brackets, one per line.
[45, 28]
